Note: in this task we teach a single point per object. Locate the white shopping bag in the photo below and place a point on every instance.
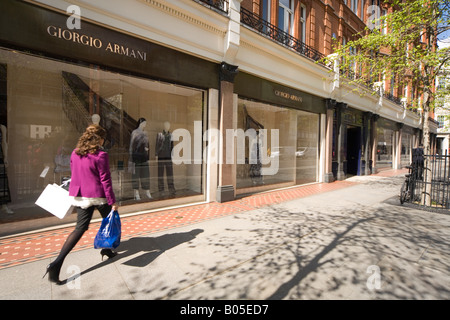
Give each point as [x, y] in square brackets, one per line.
[55, 200]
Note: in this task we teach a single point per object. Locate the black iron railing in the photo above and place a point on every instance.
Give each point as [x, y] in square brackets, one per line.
[221, 5]
[429, 182]
[257, 23]
[393, 98]
[350, 74]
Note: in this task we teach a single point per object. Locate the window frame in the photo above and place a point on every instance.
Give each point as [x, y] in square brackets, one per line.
[288, 15]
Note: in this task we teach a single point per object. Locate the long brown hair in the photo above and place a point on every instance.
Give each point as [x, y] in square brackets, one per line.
[90, 140]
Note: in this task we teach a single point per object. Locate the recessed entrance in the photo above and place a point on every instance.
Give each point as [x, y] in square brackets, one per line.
[353, 150]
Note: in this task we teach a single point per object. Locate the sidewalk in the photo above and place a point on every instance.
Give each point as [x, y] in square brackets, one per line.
[321, 241]
[36, 246]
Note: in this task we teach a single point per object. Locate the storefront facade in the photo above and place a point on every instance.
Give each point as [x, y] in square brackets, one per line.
[57, 81]
[351, 142]
[395, 142]
[365, 143]
[290, 121]
[227, 111]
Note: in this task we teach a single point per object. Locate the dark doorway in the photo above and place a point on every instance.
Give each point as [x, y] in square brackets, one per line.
[354, 150]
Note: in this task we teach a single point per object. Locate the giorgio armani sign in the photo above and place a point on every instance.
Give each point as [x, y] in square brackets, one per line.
[46, 31]
[80, 38]
[252, 87]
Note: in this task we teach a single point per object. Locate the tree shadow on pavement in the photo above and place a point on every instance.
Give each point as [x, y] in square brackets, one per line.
[304, 253]
[330, 258]
[304, 269]
[147, 249]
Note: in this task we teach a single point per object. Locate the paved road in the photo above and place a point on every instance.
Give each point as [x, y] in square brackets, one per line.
[352, 243]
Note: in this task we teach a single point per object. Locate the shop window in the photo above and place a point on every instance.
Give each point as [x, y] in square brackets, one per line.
[385, 149]
[295, 152]
[49, 105]
[406, 149]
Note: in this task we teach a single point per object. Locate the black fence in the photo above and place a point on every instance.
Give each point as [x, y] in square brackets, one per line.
[428, 182]
[257, 23]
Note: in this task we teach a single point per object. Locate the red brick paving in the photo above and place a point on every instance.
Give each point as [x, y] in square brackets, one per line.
[32, 247]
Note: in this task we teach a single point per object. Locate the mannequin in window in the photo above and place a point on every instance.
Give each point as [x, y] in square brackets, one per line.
[139, 156]
[255, 157]
[163, 152]
[95, 119]
[255, 149]
[5, 196]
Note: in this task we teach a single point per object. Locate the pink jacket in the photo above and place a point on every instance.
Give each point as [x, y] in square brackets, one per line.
[91, 177]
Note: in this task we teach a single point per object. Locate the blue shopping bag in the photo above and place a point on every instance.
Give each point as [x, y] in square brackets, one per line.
[108, 236]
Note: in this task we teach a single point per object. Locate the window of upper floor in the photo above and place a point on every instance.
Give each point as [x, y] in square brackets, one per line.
[265, 10]
[357, 7]
[354, 6]
[441, 121]
[392, 85]
[286, 15]
[383, 23]
[303, 23]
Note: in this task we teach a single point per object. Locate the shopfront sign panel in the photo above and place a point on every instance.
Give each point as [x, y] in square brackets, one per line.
[40, 30]
[253, 87]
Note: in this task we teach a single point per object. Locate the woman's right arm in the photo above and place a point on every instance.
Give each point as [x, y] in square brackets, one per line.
[105, 178]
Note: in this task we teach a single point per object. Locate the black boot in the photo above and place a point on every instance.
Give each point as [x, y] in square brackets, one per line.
[53, 270]
[108, 252]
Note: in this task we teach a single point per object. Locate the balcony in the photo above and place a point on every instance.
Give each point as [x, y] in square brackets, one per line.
[393, 98]
[255, 22]
[221, 5]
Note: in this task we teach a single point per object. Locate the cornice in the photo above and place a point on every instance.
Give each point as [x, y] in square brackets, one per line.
[165, 7]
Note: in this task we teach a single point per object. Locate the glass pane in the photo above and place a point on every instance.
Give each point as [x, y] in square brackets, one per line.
[294, 154]
[265, 10]
[286, 3]
[49, 105]
[406, 149]
[281, 19]
[307, 147]
[384, 148]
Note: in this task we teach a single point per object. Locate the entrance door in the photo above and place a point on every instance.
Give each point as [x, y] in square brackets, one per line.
[354, 150]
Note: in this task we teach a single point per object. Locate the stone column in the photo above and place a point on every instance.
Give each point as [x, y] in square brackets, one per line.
[398, 155]
[328, 177]
[374, 140]
[226, 182]
[340, 144]
[367, 139]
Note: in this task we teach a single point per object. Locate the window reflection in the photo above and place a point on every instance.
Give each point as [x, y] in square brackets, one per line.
[296, 151]
[50, 103]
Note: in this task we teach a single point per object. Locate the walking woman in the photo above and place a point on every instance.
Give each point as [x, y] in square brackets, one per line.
[91, 188]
